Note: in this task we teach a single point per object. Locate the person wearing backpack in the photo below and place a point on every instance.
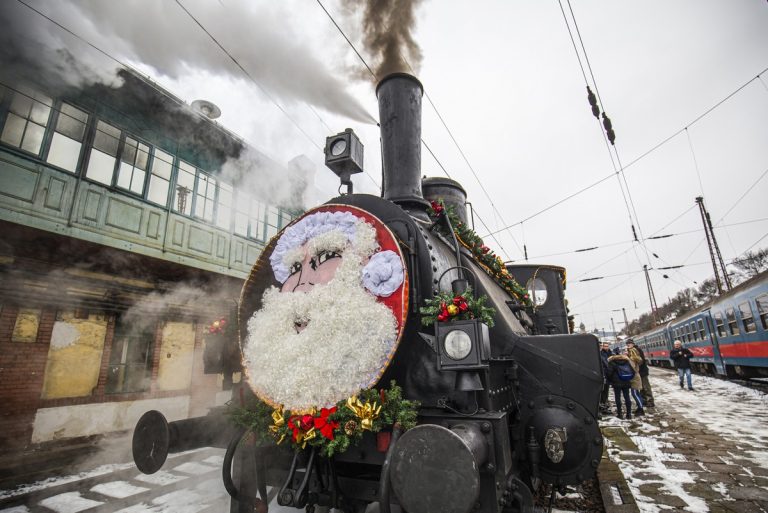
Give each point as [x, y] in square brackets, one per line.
[620, 377]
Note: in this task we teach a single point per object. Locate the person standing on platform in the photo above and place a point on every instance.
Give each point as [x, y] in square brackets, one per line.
[682, 358]
[605, 353]
[646, 393]
[620, 374]
[637, 382]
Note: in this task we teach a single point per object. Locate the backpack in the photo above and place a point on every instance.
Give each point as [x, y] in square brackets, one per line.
[625, 371]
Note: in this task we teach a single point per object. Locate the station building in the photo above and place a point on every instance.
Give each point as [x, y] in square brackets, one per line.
[121, 240]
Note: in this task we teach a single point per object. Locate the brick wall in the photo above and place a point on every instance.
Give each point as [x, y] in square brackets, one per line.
[22, 369]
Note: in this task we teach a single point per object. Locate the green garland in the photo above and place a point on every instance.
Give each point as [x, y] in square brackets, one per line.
[331, 430]
[445, 307]
[483, 255]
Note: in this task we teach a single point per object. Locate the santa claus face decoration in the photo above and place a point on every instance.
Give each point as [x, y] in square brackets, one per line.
[331, 322]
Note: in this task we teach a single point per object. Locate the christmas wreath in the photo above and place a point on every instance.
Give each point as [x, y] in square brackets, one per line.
[444, 307]
[483, 255]
[331, 430]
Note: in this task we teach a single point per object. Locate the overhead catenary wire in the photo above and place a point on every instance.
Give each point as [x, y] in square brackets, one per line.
[636, 159]
[607, 135]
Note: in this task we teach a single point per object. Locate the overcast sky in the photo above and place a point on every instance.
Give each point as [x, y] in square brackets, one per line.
[505, 78]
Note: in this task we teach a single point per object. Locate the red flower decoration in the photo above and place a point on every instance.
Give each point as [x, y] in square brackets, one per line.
[306, 422]
[325, 426]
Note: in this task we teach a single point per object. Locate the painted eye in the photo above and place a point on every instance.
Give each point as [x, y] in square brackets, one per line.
[295, 268]
[324, 256]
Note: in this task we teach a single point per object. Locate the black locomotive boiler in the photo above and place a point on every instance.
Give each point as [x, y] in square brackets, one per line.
[518, 410]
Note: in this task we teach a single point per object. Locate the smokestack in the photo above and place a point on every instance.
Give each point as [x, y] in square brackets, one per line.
[399, 97]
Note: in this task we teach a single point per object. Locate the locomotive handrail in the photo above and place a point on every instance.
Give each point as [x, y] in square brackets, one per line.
[469, 272]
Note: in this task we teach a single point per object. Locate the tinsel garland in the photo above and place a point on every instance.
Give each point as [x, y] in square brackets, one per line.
[445, 306]
[331, 430]
[483, 255]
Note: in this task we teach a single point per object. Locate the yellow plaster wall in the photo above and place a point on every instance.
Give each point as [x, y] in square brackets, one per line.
[74, 356]
[176, 355]
[27, 323]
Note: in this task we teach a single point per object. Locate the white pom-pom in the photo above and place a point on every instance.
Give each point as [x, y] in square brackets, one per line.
[383, 274]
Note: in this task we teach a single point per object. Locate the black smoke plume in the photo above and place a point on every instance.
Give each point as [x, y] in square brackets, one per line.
[388, 34]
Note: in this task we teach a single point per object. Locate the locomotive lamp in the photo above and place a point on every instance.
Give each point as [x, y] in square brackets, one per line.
[462, 345]
[344, 156]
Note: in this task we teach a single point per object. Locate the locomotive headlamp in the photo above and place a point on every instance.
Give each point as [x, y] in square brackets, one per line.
[457, 345]
[462, 345]
[344, 156]
[537, 290]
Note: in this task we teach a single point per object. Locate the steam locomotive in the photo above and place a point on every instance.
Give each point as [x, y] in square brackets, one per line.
[503, 411]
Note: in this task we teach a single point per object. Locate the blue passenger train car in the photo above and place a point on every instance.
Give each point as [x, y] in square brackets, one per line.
[728, 336]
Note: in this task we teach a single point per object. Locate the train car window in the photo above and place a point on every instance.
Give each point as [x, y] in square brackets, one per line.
[733, 325]
[27, 121]
[134, 163]
[747, 318]
[694, 333]
[160, 177]
[719, 324]
[688, 336]
[67, 139]
[206, 196]
[103, 157]
[702, 333]
[185, 185]
[762, 309]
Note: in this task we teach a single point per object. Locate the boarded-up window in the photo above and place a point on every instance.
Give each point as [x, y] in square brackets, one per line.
[74, 356]
[27, 324]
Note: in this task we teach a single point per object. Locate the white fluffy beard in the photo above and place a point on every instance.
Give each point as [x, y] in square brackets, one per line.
[346, 342]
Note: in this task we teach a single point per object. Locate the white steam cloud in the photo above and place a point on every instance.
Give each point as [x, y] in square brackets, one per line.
[161, 35]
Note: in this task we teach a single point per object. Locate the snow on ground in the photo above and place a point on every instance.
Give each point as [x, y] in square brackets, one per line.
[98, 471]
[658, 469]
[55, 481]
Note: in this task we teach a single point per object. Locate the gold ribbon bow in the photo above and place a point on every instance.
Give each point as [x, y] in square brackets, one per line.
[367, 412]
[278, 421]
[304, 437]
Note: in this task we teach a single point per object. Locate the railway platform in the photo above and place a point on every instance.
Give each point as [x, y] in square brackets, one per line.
[698, 451]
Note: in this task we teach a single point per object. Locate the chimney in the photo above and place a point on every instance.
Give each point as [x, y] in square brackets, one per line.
[399, 96]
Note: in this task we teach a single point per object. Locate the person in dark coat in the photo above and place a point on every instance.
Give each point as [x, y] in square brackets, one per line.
[605, 353]
[620, 387]
[682, 358]
[646, 392]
